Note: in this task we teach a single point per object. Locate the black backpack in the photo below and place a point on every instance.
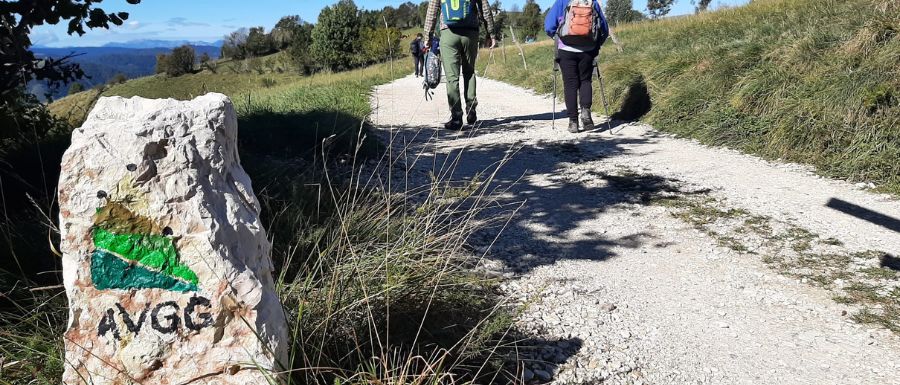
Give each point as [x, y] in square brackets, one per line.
[432, 73]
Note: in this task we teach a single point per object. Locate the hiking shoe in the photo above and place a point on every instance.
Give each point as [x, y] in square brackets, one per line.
[454, 125]
[573, 126]
[586, 120]
[471, 117]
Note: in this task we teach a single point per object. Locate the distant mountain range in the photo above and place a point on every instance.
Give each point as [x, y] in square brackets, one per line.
[133, 59]
[144, 43]
[163, 43]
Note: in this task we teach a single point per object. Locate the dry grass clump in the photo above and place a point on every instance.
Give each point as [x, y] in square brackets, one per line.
[377, 289]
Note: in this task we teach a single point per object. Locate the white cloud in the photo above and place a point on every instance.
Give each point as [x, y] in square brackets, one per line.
[132, 25]
[184, 22]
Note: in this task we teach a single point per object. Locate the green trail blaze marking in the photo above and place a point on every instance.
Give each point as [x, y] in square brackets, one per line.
[109, 271]
[135, 260]
[153, 251]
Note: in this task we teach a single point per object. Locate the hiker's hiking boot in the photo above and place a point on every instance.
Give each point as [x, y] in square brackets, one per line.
[573, 125]
[454, 124]
[471, 117]
[586, 120]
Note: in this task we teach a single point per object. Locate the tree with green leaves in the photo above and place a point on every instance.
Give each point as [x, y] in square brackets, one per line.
[283, 32]
[408, 15]
[336, 36]
[23, 118]
[379, 44]
[161, 63]
[118, 78]
[659, 8]
[370, 18]
[180, 62]
[234, 46]
[206, 63]
[75, 88]
[622, 11]
[17, 18]
[617, 10]
[532, 20]
[299, 48]
[259, 43]
[423, 10]
[500, 19]
[701, 5]
[635, 15]
[389, 15]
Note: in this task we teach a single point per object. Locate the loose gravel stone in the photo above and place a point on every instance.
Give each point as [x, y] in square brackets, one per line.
[638, 294]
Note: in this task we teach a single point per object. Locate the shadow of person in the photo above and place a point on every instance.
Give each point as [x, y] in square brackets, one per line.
[544, 116]
[610, 126]
[551, 209]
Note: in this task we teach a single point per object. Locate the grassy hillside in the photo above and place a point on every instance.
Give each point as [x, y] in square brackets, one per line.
[808, 81]
[352, 258]
[304, 109]
[101, 64]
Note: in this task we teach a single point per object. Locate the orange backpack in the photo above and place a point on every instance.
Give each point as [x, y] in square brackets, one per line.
[581, 25]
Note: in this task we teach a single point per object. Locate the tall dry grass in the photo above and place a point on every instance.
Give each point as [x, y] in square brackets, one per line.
[378, 286]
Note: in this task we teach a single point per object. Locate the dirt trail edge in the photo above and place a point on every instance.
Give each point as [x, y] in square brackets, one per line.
[648, 259]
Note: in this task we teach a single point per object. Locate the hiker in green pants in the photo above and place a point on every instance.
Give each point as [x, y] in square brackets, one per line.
[459, 50]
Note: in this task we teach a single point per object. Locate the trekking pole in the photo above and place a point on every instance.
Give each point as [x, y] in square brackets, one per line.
[603, 96]
[555, 70]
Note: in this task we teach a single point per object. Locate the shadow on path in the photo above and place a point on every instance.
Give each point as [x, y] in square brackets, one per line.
[508, 124]
[558, 202]
[865, 214]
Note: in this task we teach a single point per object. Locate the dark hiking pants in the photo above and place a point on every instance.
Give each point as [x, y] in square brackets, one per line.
[418, 63]
[577, 70]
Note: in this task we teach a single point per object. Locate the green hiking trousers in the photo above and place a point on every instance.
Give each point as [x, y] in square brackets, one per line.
[459, 49]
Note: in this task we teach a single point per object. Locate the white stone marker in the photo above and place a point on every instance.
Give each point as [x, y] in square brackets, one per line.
[166, 263]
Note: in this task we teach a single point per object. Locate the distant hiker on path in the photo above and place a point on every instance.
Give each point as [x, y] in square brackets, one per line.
[417, 50]
[580, 28]
[459, 49]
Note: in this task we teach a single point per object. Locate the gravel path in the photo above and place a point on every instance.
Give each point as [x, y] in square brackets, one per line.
[619, 288]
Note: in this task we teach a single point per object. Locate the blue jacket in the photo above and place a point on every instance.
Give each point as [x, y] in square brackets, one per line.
[557, 13]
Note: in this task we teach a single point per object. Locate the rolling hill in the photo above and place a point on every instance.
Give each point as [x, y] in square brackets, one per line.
[102, 63]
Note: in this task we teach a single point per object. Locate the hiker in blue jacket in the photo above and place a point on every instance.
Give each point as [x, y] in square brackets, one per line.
[577, 58]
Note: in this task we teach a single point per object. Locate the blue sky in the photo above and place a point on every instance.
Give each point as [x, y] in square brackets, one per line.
[209, 20]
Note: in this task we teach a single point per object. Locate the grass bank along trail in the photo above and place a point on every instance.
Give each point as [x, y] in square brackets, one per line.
[808, 81]
[375, 290]
[640, 258]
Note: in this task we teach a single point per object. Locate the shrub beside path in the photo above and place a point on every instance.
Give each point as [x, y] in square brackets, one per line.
[656, 260]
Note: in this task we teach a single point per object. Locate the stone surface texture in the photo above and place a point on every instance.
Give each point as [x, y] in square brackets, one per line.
[166, 264]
